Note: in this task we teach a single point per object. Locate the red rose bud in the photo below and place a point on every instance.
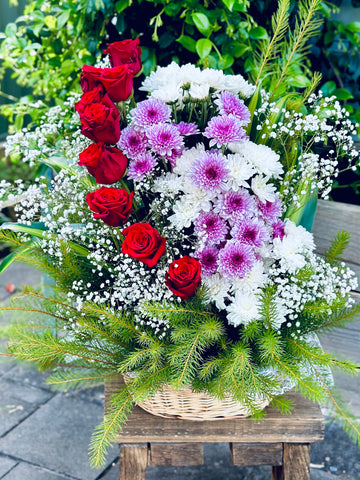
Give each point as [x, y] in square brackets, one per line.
[126, 52]
[106, 164]
[143, 243]
[99, 117]
[117, 81]
[184, 277]
[111, 205]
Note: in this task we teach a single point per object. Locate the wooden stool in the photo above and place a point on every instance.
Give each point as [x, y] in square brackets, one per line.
[282, 441]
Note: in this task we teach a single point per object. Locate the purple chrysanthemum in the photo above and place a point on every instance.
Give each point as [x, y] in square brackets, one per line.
[132, 142]
[278, 229]
[164, 138]
[141, 166]
[236, 260]
[271, 211]
[175, 154]
[187, 128]
[251, 232]
[150, 112]
[208, 258]
[224, 129]
[228, 104]
[209, 171]
[233, 205]
[211, 226]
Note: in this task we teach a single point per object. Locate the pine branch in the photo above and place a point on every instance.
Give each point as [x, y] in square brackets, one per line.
[306, 27]
[337, 247]
[280, 25]
[349, 422]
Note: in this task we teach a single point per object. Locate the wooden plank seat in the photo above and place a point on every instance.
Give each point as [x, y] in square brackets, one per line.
[282, 441]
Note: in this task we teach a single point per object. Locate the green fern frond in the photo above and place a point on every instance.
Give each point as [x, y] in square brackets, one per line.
[72, 379]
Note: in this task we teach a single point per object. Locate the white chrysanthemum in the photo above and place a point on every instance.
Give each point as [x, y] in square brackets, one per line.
[185, 212]
[218, 289]
[169, 93]
[160, 78]
[264, 159]
[214, 78]
[257, 278]
[263, 190]
[169, 183]
[196, 195]
[243, 309]
[189, 73]
[304, 238]
[240, 171]
[238, 85]
[289, 252]
[184, 163]
[199, 91]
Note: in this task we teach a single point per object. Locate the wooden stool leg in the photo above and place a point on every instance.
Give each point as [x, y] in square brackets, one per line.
[133, 461]
[296, 463]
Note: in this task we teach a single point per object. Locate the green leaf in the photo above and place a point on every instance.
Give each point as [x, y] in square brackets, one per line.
[258, 33]
[237, 49]
[328, 88]
[226, 61]
[202, 23]
[67, 67]
[121, 5]
[187, 42]
[50, 21]
[300, 81]
[229, 4]
[203, 47]
[63, 18]
[353, 27]
[37, 28]
[29, 229]
[343, 94]
[10, 30]
[7, 261]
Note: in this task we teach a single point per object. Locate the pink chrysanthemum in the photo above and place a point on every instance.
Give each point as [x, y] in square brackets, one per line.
[224, 129]
[211, 226]
[271, 211]
[228, 104]
[175, 154]
[251, 232]
[236, 260]
[234, 205]
[208, 258]
[209, 171]
[150, 112]
[164, 138]
[278, 229]
[132, 142]
[187, 128]
[141, 166]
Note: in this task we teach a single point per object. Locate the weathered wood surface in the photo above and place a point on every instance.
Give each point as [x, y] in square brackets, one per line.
[175, 454]
[332, 217]
[133, 461]
[296, 463]
[305, 424]
[256, 453]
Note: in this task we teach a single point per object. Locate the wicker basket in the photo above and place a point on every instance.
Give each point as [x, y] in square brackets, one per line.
[188, 405]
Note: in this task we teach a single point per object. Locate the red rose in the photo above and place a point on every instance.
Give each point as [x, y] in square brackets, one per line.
[184, 277]
[111, 205]
[99, 117]
[143, 243]
[117, 81]
[106, 164]
[126, 52]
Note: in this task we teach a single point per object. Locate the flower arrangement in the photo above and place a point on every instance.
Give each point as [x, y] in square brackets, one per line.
[172, 230]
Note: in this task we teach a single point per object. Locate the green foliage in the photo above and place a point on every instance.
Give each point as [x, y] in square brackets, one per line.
[336, 249]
